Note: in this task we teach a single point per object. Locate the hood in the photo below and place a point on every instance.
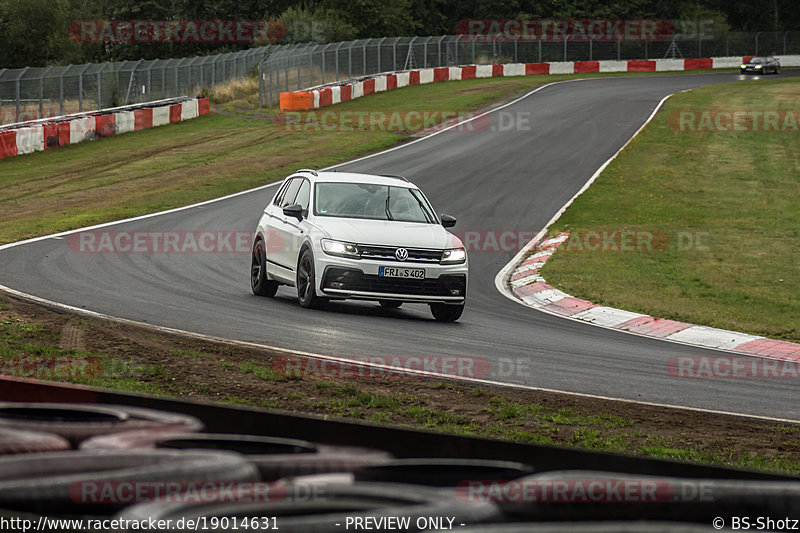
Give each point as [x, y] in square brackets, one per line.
[388, 233]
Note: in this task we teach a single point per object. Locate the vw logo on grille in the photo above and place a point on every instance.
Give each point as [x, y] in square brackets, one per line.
[401, 254]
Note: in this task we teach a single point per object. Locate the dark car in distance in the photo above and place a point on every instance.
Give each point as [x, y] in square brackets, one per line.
[761, 65]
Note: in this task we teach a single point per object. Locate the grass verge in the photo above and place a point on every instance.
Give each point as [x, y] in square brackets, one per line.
[721, 207]
[36, 342]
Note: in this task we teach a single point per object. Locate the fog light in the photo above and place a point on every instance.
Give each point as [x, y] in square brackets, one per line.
[337, 285]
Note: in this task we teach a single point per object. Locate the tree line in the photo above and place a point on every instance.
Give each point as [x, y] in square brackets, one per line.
[36, 33]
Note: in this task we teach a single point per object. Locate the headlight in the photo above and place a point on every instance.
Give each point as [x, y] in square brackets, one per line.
[758, 66]
[341, 249]
[743, 66]
[454, 256]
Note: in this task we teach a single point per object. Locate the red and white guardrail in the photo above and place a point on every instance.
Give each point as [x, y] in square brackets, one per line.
[45, 134]
[334, 93]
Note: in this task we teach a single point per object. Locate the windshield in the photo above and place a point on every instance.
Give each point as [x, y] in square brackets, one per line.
[374, 202]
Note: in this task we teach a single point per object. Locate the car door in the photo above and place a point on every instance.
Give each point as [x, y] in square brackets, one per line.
[278, 253]
[293, 231]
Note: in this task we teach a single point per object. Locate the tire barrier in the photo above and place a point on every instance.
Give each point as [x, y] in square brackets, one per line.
[275, 458]
[333, 93]
[415, 507]
[77, 422]
[29, 137]
[441, 472]
[103, 482]
[13, 441]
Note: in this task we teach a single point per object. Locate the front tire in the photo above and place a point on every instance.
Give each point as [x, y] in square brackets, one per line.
[259, 283]
[306, 279]
[446, 312]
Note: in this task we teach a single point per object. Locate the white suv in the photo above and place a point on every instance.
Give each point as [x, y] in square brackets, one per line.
[340, 235]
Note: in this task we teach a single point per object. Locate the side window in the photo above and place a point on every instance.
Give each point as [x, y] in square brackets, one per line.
[291, 192]
[303, 196]
[281, 192]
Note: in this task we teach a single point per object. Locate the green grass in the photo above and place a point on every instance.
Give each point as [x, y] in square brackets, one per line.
[211, 156]
[738, 191]
[261, 372]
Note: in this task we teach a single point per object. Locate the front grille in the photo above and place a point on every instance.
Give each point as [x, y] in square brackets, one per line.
[355, 280]
[386, 253]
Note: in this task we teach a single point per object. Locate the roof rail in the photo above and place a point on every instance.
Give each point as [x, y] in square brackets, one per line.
[309, 170]
[395, 177]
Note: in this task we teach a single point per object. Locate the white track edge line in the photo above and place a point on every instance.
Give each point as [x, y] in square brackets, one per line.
[388, 368]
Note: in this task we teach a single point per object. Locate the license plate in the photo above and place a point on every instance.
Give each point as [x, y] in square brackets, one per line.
[395, 272]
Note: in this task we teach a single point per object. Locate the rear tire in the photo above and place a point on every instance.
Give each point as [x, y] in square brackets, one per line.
[306, 279]
[390, 304]
[259, 283]
[447, 312]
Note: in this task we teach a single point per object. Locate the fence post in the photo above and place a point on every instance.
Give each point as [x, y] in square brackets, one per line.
[515, 51]
[565, 46]
[364, 59]
[425, 54]
[311, 66]
[619, 40]
[41, 92]
[757, 34]
[61, 91]
[394, 55]
[379, 54]
[784, 41]
[727, 45]
[540, 49]
[16, 90]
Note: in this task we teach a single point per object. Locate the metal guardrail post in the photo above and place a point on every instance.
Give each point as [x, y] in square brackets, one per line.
[41, 91]
[61, 90]
[17, 91]
[364, 59]
[379, 54]
[80, 88]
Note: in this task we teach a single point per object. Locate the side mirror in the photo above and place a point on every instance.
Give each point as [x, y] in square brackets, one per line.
[448, 221]
[293, 211]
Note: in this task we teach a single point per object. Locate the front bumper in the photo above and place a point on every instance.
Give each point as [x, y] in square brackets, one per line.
[442, 284]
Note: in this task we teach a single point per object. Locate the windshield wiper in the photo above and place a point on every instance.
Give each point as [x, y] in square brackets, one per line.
[388, 198]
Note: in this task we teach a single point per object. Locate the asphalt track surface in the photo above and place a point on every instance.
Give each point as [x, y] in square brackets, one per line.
[498, 179]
